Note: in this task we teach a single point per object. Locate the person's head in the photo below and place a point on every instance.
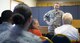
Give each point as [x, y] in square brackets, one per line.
[56, 6]
[6, 15]
[67, 18]
[18, 19]
[34, 24]
[22, 14]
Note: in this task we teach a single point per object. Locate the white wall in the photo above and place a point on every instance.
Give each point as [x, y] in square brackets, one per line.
[30, 3]
[4, 5]
[13, 4]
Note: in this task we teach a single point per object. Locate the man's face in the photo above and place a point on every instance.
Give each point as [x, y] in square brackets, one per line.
[56, 6]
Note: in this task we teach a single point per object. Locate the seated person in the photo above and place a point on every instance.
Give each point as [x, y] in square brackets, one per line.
[6, 20]
[18, 34]
[59, 38]
[34, 27]
[67, 29]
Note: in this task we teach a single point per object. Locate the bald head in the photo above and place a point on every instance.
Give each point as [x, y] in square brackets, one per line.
[67, 18]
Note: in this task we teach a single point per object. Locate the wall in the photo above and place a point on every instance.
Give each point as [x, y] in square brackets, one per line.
[38, 12]
[62, 3]
[4, 5]
[13, 4]
[30, 3]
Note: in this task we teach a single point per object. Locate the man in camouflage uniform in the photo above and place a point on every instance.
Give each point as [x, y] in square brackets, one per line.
[53, 18]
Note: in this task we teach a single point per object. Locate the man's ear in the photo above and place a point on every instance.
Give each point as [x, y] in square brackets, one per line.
[28, 22]
[30, 19]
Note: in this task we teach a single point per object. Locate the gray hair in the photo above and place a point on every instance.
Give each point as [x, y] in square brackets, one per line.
[67, 18]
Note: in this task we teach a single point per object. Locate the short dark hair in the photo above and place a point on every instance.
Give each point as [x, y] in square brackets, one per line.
[18, 19]
[24, 10]
[6, 14]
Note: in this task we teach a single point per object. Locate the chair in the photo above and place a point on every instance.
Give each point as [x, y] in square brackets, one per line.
[75, 41]
[49, 35]
[46, 40]
[59, 38]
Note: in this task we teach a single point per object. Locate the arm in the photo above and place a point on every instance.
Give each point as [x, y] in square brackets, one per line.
[46, 18]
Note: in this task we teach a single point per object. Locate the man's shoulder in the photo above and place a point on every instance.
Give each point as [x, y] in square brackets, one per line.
[60, 27]
[27, 36]
[5, 25]
[50, 11]
[73, 28]
[1, 25]
[61, 11]
[4, 35]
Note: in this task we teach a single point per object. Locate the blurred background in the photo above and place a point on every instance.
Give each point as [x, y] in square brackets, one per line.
[40, 7]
